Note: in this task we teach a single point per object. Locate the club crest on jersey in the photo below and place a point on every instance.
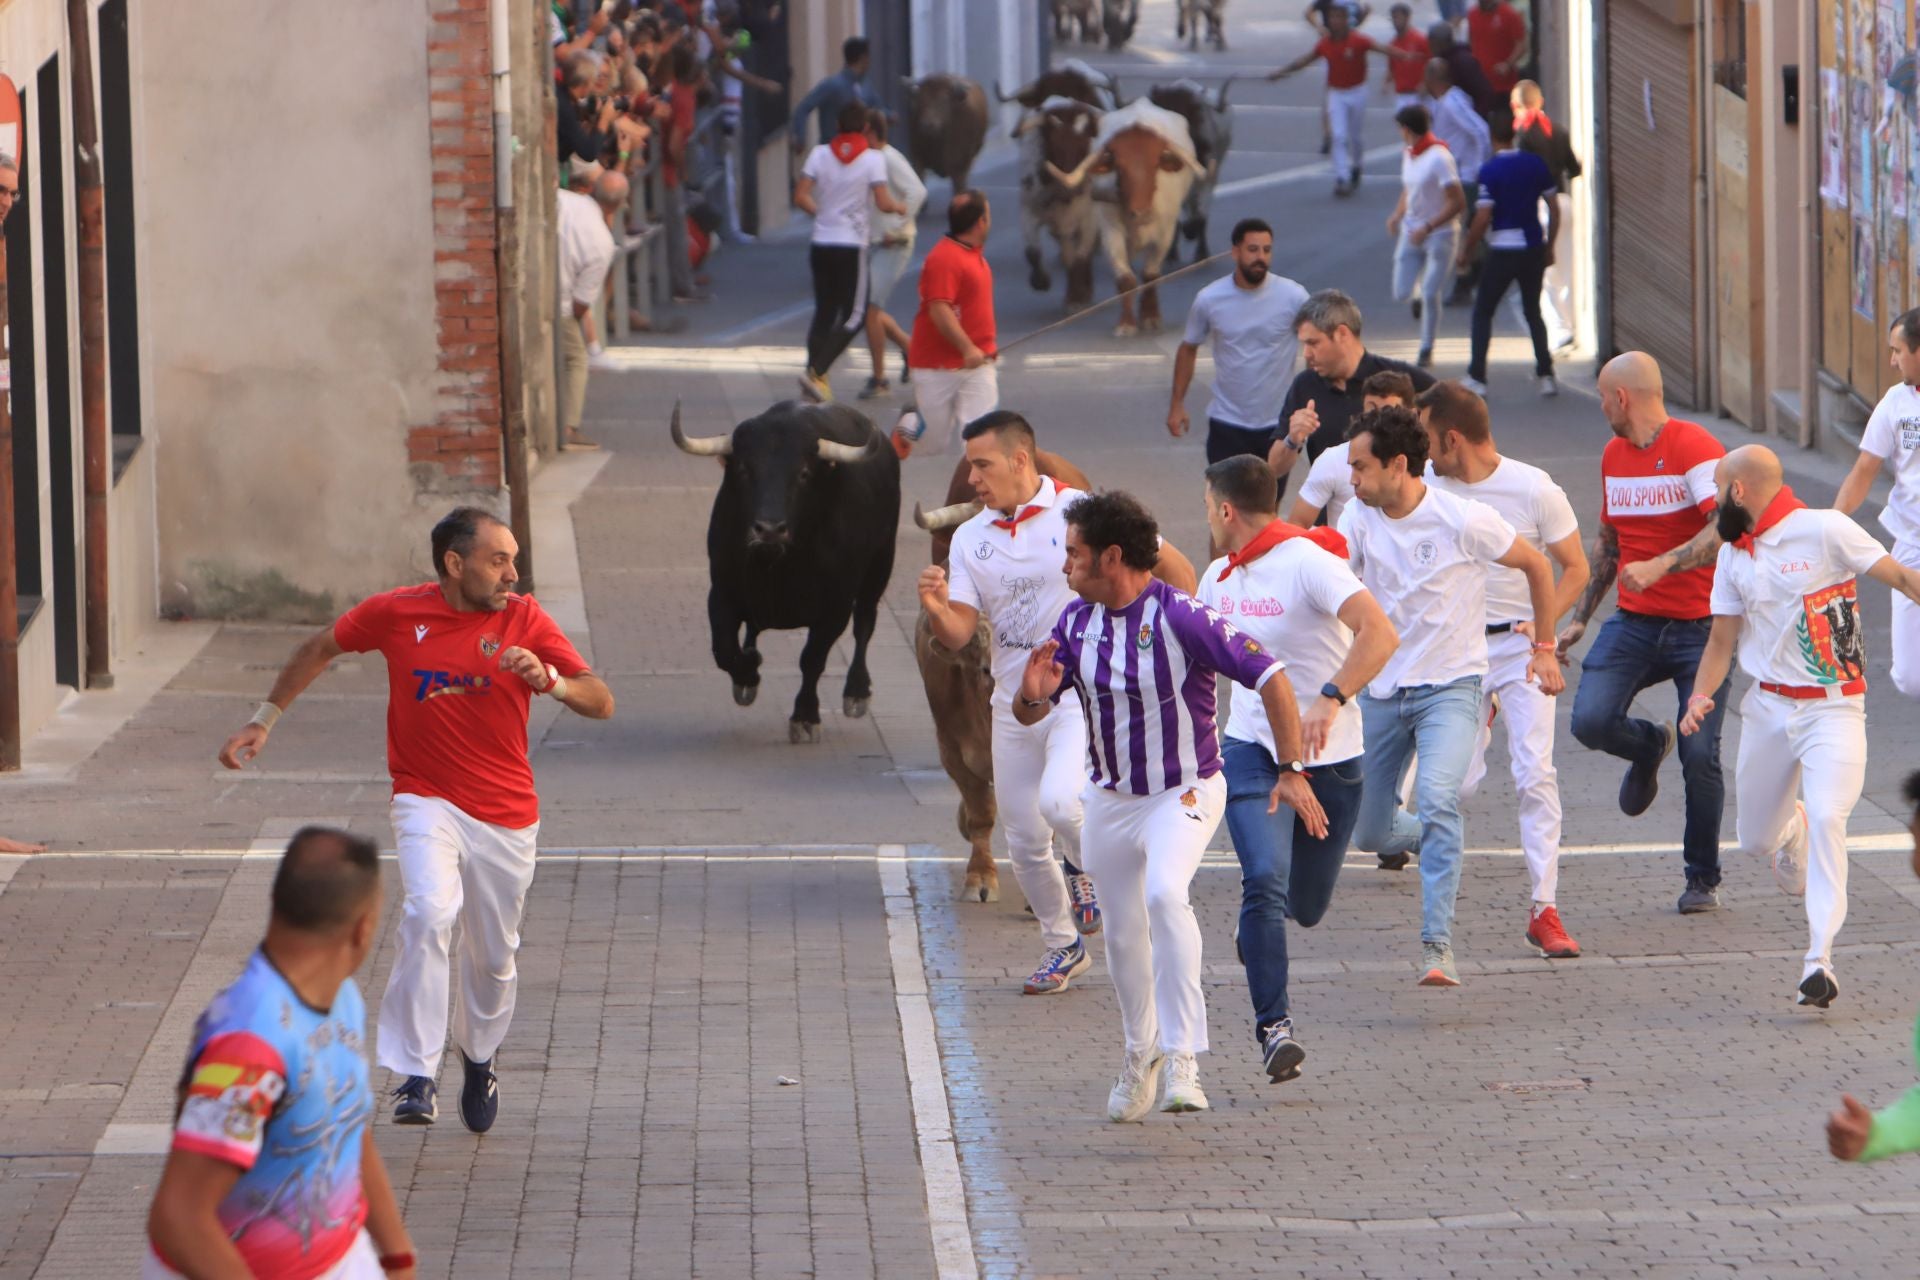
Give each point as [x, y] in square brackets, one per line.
[983, 552]
[1426, 553]
[1250, 645]
[1144, 637]
[489, 645]
[1190, 800]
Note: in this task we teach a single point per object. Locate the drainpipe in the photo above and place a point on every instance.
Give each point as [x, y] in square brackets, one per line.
[88, 203]
[508, 269]
[1812, 128]
[1706, 237]
[9, 588]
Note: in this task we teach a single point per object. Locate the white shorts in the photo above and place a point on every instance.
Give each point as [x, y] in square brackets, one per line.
[362, 1262]
[951, 398]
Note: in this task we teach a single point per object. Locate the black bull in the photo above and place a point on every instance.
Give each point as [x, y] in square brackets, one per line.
[801, 537]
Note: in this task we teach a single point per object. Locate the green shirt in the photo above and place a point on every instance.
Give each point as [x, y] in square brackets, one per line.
[1896, 1130]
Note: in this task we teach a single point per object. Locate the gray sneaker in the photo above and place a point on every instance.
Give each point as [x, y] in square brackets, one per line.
[1699, 897]
[1436, 965]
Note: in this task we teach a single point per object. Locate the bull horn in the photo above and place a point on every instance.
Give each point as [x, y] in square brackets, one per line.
[701, 446]
[1220, 101]
[1193, 162]
[998, 93]
[1072, 181]
[834, 451]
[946, 517]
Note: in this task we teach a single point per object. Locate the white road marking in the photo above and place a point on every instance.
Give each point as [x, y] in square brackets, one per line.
[1300, 173]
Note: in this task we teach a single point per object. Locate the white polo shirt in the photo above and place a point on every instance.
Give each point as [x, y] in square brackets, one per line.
[1329, 484]
[1016, 577]
[1800, 598]
[1526, 498]
[1428, 570]
[1426, 178]
[844, 194]
[1893, 434]
[1289, 600]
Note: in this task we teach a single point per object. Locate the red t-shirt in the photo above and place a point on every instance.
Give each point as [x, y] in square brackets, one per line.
[959, 276]
[1496, 37]
[457, 723]
[1346, 59]
[1408, 75]
[681, 98]
[1655, 499]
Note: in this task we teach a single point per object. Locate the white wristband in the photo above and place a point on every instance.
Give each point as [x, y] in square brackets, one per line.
[266, 715]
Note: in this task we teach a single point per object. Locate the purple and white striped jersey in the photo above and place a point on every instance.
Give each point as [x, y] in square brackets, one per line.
[1145, 675]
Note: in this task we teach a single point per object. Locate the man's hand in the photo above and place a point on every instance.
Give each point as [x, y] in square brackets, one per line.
[1043, 675]
[933, 590]
[1294, 791]
[1178, 423]
[243, 746]
[1569, 636]
[1393, 225]
[973, 357]
[1417, 236]
[522, 663]
[1302, 424]
[1699, 707]
[1544, 668]
[1642, 574]
[1316, 724]
[1849, 1128]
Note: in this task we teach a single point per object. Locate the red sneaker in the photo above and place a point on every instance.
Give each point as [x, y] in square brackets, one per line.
[1545, 931]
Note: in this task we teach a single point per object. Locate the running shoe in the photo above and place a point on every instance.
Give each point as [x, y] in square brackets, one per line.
[1819, 989]
[1545, 931]
[1549, 388]
[1394, 861]
[1086, 911]
[814, 388]
[1060, 967]
[1183, 1092]
[1790, 859]
[875, 388]
[418, 1101]
[1281, 1052]
[1642, 783]
[1436, 965]
[480, 1096]
[1699, 897]
[1417, 309]
[1133, 1090]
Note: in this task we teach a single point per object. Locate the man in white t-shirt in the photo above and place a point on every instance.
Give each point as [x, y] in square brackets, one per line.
[1249, 316]
[1786, 591]
[1290, 589]
[1427, 224]
[1463, 461]
[586, 253]
[1893, 435]
[842, 180]
[1008, 565]
[1425, 555]
[1329, 484]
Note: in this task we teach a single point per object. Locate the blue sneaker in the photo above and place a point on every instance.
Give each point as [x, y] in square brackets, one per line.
[418, 1104]
[1086, 911]
[480, 1096]
[1061, 966]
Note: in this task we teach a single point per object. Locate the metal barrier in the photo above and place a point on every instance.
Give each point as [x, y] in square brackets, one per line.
[641, 281]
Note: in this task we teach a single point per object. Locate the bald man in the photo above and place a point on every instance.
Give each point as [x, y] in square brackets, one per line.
[1657, 539]
[1787, 595]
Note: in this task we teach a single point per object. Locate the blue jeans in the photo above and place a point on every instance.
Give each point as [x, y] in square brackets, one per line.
[1425, 271]
[1636, 651]
[1439, 722]
[1284, 872]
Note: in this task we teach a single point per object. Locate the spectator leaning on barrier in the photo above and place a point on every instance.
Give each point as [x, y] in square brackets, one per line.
[586, 252]
[892, 238]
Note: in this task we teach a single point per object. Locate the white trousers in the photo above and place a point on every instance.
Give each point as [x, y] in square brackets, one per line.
[1819, 749]
[1529, 717]
[1346, 108]
[1039, 771]
[951, 398]
[1906, 627]
[1142, 852]
[361, 1262]
[453, 868]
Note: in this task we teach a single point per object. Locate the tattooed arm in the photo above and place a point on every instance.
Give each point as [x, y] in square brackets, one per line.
[1605, 561]
[1696, 552]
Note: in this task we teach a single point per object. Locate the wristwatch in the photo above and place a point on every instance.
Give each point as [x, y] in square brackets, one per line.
[1294, 766]
[1332, 690]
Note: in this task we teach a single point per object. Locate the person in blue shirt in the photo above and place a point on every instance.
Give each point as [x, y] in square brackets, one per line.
[1513, 186]
[824, 100]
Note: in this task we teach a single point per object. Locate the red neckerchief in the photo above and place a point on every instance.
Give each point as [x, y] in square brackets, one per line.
[1425, 143]
[1524, 119]
[1783, 505]
[847, 147]
[1013, 526]
[1275, 534]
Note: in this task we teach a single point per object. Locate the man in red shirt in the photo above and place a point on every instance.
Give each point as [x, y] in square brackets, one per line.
[1497, 34]
[1657, 537]
[1407, 77]
[1345, 52]
[953, 346]
[465, 656]
[687, 71]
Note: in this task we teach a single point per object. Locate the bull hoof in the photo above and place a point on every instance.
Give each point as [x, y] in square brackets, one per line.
[854, 708]
[1124, 330]
[981, 886]
[801, 731]
[744, 694]
[1039, 281]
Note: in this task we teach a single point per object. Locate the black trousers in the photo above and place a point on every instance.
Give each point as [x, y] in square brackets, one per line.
[1528, 269]
[839, 302]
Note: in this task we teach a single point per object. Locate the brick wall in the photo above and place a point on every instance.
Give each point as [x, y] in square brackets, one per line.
[459, 449]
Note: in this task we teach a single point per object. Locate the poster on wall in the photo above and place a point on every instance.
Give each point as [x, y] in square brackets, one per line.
[1833, 150]
[1896, 170]
[1860, 60]
[1913, 211]
[1886, 39]
[1863, 273]
[1860, 148]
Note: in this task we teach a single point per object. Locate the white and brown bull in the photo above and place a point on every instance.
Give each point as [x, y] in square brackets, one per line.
[1210, 124]
[1055, 138]
[1186, 25]
[1143, 156]
[946, 124]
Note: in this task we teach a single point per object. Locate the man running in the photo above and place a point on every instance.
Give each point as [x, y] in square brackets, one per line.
[891, 250]
[1464, 461]
[1425, 555]
[843, 180]
[1514, 186]
[1291, 590]
[1893, 432]
[465, 656]
[1329, 484]
[1426, 224]
[1143, 658]
[1345, 52]
[953, 343]
[1657, 537]
[1403, 74]
[1786, 592]
[273, 1169]
[1537, 133]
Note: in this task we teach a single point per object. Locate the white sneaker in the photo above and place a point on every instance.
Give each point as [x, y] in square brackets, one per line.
[1183, 1092]
[1548, 387]
[1133, 1091]
[1790, 859]
[1476, 386]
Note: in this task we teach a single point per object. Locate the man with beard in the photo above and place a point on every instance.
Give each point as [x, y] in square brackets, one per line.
[1786, 573]
[464, 658]
[1657, 537]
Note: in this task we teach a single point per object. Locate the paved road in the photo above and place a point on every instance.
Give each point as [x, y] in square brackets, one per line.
[719, 910]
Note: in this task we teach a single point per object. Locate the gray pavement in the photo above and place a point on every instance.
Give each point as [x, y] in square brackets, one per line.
[715, 913]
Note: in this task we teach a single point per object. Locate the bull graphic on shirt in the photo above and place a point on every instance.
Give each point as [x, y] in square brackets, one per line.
[1829, 631]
